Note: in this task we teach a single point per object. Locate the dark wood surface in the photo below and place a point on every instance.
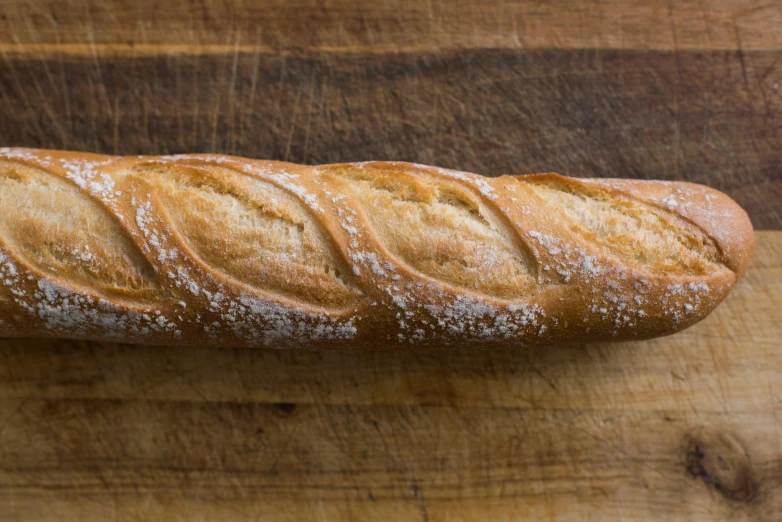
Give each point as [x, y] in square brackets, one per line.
[680, 428]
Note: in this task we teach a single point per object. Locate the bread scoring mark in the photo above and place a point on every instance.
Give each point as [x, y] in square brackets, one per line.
[224, 308]
[62, 232]
[630, 230]
[64, 311]
[440, 229]
[274, 244]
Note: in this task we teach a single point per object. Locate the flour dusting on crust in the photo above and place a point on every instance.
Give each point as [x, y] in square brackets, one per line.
[573, 286]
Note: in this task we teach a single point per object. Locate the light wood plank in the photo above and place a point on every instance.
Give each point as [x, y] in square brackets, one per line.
[88, 27]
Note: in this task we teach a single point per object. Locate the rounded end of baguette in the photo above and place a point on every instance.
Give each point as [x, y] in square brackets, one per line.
[716, 214]
[730, 227]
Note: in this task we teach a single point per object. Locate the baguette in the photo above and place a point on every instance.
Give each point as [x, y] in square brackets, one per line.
[220, 250]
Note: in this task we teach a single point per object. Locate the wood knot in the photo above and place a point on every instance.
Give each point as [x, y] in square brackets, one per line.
[285, 409]
[722, 462]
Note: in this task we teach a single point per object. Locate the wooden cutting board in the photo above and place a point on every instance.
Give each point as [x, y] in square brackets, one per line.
[680, 428]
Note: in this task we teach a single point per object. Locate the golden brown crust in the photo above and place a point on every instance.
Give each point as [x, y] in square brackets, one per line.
[714, 212]
[221, 250]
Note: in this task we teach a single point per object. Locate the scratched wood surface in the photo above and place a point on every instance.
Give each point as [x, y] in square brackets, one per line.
[679, 428]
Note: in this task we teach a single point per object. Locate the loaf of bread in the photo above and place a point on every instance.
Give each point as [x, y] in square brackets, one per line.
[220, 250]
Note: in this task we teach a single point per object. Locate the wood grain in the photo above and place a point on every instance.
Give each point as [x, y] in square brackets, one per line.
[185, 26]
[709, 117]
[680, 428]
